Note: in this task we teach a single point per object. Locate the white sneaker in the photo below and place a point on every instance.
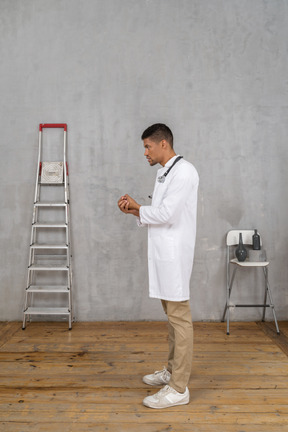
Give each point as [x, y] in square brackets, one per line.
[158, 378]
[167, 397]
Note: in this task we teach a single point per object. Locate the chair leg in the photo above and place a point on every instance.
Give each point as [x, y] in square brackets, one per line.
[224, 313]
[227, 306]
[228, 321]
[266, 290]
[271, 301]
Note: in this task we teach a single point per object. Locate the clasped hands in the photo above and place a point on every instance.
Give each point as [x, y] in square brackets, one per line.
[128, 205]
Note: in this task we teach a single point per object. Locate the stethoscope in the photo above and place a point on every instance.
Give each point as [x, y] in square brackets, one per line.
[161, 179]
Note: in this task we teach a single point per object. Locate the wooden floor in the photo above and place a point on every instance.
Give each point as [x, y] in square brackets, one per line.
[90, 378]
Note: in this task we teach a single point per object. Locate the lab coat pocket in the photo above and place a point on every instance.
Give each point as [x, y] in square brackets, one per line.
[164, 248]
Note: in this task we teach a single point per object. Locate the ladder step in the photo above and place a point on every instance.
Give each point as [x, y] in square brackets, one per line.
[50, 204]
[48, 288]
[51, 184]
[48, 246]
[49, 225]
[48, 267]
[47, 311]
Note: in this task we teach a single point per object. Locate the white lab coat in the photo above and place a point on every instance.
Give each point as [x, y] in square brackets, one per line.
[171, 221]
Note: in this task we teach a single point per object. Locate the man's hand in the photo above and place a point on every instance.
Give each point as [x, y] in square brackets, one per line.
[123, 204]
[128, 205]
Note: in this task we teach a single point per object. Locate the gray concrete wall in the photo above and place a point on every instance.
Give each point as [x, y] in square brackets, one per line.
[214, 70]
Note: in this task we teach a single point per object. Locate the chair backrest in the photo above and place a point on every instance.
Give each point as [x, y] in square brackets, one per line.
[232, 238]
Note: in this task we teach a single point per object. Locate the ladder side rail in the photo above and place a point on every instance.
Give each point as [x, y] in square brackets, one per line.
[69, 258]
[26, 292]
[36, 197]
[33, 241]
[70, 293]
[67, 243]
[28, 278]
[38, 166]
[34, 230]
[70, 299]
[65, 168]
[69, 251]
[69, 255]
[68, 264]
[70, 244]
[66, 193]
[35, 210]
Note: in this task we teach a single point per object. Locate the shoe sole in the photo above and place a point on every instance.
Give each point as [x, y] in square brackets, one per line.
[166, 406]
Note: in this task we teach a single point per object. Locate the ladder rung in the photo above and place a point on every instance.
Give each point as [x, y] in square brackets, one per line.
[49, 225]
[48, 267]
[48, 288]
[50, 259]
[50, 204]
[52, 184]
[47, 311]
[48, 246]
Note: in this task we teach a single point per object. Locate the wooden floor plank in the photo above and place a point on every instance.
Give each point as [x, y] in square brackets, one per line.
[123, 369]
[95, 381]
[134, 427]
[7, 330]
[151, 416]
[62, 409]
[272, 355]
[281, 340]
[209, 397]
[91, 378]
[36, 346]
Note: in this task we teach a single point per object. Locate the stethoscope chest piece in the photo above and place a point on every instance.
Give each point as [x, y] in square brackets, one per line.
[162, 178]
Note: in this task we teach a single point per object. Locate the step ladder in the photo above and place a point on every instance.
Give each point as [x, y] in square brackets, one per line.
[49, 280]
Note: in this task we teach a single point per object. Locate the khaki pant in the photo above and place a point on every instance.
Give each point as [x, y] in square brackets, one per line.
[180, 332]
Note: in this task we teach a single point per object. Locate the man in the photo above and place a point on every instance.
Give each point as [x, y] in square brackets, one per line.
[171, 221]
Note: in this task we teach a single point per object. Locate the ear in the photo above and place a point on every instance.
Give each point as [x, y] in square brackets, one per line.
[164, 144]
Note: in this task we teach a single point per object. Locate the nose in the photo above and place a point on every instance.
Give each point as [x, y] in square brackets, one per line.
[146, 152]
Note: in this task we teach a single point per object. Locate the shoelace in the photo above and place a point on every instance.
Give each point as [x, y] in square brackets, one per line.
[166, 389]
[164, 371]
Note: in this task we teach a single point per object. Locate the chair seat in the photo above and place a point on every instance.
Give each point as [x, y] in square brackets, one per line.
[250, 263]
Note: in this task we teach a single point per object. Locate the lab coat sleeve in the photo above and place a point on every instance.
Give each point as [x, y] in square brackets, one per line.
[172, 204]
[139, 223]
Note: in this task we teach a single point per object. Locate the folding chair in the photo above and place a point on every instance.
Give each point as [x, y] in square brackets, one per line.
[232, 240]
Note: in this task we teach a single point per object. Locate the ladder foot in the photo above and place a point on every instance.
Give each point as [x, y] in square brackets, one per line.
[228, 333]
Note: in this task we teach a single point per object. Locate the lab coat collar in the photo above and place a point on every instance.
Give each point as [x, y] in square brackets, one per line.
[170, 161]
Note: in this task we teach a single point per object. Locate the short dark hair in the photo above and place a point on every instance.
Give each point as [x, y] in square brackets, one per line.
[158, 132]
